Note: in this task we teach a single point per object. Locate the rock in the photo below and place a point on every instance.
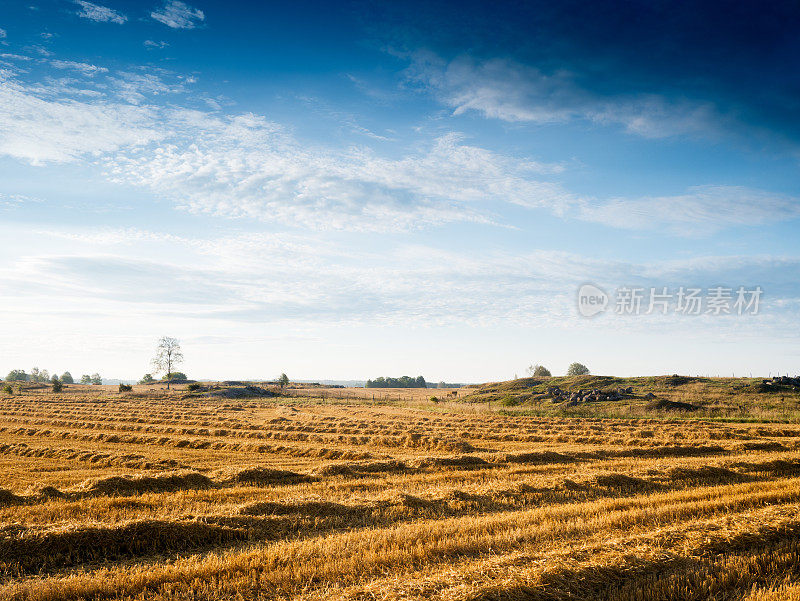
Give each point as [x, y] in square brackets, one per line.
[782, 381]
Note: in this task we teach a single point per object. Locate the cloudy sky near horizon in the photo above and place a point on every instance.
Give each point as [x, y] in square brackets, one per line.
[353, 190]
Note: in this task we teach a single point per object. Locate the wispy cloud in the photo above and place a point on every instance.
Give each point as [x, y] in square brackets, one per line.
[16, 200]
[40, 129]
[136, 87]
[101, 14]
[178, 15]
[246, 166]
[509, 91]
[401, 284]
[325, 286]
[700, 210]
[3, 34]
[154, 44]
[38, 49]
[85, 68]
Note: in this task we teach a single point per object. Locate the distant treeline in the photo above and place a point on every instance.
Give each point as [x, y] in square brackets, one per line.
[403, 382]
[42, 375]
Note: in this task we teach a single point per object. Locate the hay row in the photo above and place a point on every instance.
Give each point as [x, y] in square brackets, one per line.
[28, 551]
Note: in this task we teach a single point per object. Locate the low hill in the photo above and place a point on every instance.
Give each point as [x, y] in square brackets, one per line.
[675, 396]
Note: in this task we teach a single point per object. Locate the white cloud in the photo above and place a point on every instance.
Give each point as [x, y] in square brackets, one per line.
[246, 166]
[178, 15]
[3, 34]
[77, 282]
[135, 87]
[502, 89]
[40, 50]
[308, 279]
[16, 200]
[701, 210]
[112, 236]
[101, 14]
[153, 44]
[85, 68]
[39, 129]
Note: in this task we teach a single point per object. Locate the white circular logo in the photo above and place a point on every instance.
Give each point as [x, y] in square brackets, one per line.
[591, 300]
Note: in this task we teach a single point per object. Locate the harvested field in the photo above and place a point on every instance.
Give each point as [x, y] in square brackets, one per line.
[170, 495]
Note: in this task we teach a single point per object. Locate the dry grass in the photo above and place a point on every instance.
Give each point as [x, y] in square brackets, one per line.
[738, 399]
[156, 495]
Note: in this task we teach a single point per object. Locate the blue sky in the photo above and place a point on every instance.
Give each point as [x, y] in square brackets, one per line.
[362, 189]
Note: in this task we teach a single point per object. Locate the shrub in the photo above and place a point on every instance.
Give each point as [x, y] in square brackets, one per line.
[58, 385]
[175, 376]
[147, 379]
[509, 401]
[434, 399]
[125, 387]
[676, 380]
[7, 389]
[194, 386]
[577, 369]
[17, 375]
[539, 371]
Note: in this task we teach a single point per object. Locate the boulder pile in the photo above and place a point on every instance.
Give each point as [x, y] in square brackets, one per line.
[781, 381]
[572, 398]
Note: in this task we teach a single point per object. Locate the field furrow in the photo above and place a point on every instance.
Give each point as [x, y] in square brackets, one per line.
[173, 496]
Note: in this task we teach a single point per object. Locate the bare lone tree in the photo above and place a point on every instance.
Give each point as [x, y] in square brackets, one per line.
[168, 355]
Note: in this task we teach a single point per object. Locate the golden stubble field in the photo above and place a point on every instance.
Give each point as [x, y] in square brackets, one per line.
[157, 495]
